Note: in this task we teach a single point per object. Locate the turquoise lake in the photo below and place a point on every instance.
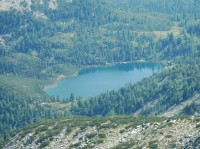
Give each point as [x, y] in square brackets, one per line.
[97, 80]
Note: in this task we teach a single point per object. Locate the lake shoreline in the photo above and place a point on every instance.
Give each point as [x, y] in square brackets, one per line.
[57, 79]
[75, 74]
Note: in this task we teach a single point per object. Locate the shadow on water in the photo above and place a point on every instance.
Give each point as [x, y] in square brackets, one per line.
[155, 67]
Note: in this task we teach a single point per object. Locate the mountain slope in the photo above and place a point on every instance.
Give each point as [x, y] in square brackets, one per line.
[110, 132]
[40, 40]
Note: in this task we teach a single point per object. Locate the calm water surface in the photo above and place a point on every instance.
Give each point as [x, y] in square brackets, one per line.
[93, 81]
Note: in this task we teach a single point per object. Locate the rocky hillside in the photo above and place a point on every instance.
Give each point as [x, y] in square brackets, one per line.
[25, 5]
[19, 5]
[110, 132]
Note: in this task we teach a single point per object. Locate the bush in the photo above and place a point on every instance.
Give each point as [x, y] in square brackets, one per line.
[53, 132]
[75, 145]
[102, 135]
[91, 135]
[24, 133]
[122, 131]
[125, 145]
[69, 130]
[88, 146]
[83, 127]
[98, 141]
[31, 139]
[106, 126]
[41, 129]
[198, 126]
[42, 138]
[168, 136]
[44, 144]
[153, 145]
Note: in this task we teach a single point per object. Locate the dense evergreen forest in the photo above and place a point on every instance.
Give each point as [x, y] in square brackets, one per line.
[38, 45]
